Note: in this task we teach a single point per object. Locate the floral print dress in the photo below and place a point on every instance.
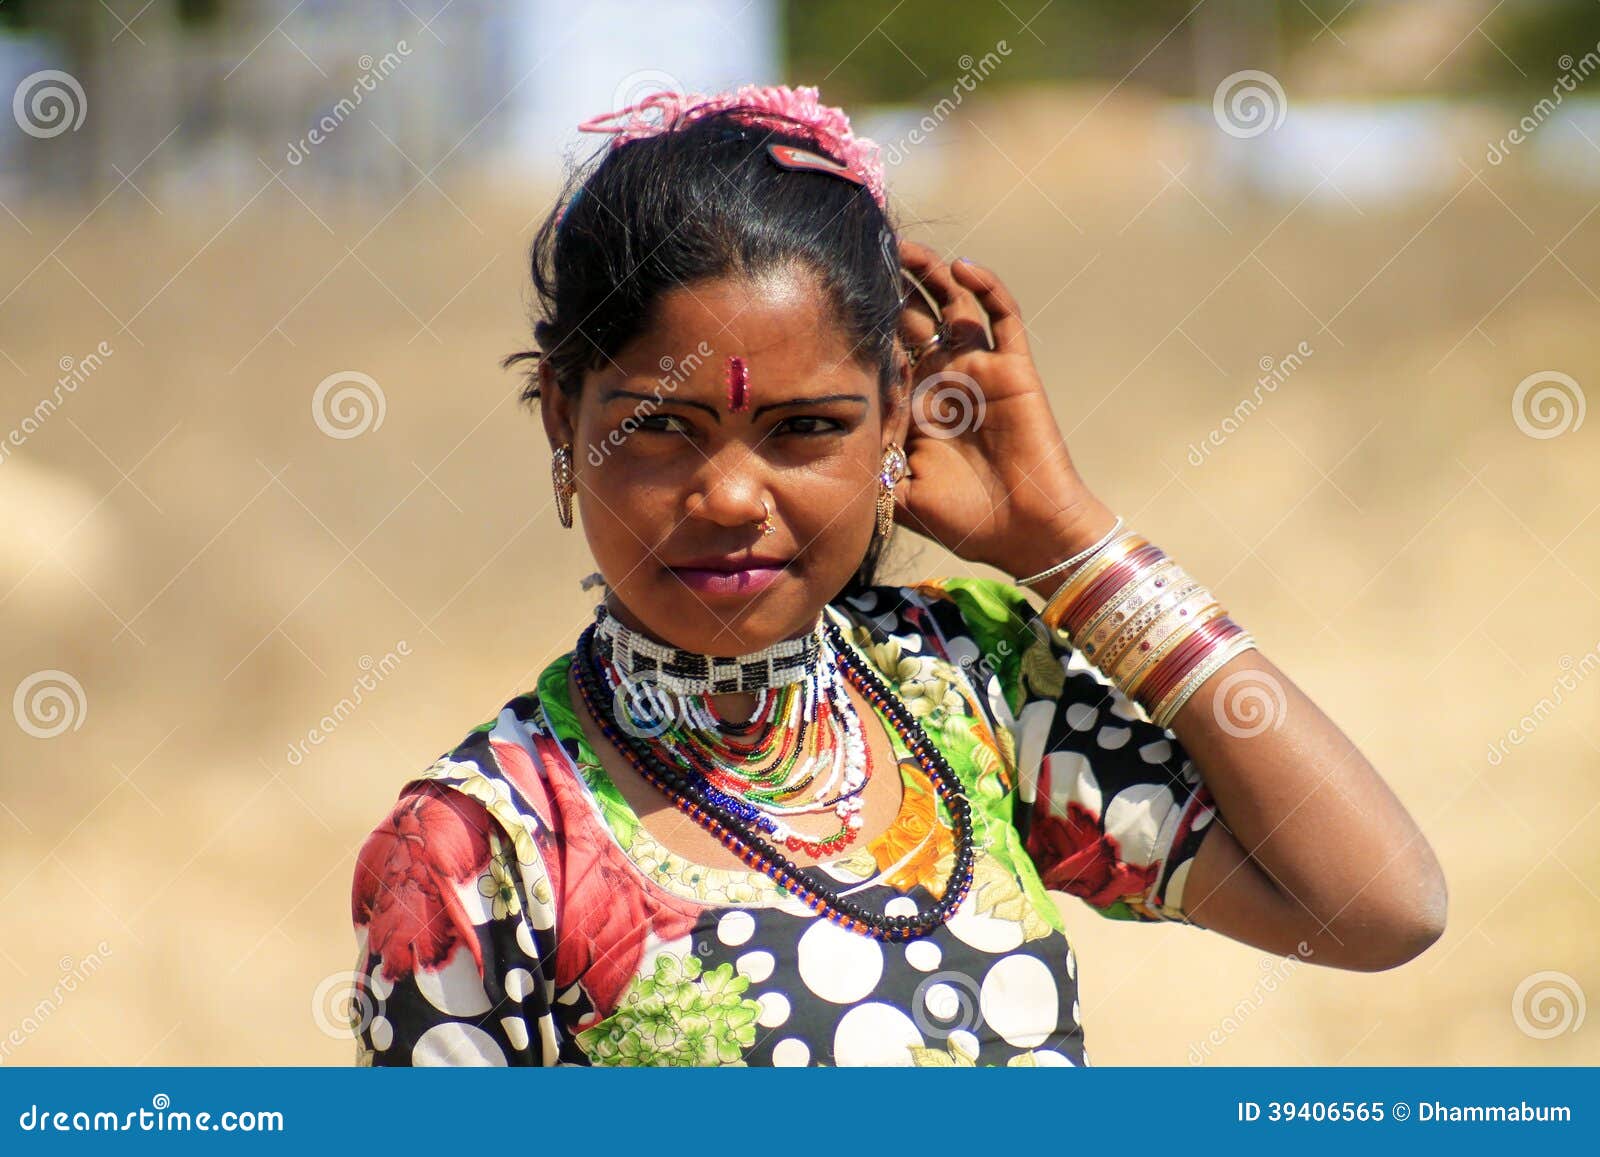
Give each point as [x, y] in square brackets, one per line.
[512, 909]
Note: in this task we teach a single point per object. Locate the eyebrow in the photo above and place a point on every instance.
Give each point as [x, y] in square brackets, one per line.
[716, 416]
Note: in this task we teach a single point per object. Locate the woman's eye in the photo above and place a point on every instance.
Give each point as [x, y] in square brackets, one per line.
[664, 424]
[809, 424]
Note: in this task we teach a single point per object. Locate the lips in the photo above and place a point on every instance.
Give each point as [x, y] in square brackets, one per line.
[729, 574]
[730, 564]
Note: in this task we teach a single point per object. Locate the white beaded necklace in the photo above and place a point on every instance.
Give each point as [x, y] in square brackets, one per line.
[662, 696]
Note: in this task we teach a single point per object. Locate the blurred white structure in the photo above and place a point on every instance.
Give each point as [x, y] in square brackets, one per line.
[569, 62]
[362, 97]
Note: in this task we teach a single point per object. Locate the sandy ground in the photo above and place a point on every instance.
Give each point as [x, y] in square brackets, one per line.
[215, 572]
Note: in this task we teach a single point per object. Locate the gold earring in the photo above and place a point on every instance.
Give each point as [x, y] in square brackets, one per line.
[890, 473]
[564, 481]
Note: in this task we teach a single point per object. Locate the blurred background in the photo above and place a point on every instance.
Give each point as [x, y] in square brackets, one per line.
[1315, 286]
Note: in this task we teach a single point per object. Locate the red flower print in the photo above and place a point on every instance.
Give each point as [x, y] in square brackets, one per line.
[1073, 855]
[603, 908]
[402, 893]
[518, 767]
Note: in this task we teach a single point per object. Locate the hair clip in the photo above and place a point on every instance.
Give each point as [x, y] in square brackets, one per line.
[890, 250]
[790, 157]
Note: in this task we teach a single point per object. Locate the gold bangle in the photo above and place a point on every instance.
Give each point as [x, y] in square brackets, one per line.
[1143, 622]
[1056, 608]
[1128, 602]
[1184, 629]
[1139, 624]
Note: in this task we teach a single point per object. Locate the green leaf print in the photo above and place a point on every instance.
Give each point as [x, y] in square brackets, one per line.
[677, 1016]
[953, 1056]
[1042, 670]
[560, 718]
[997, 615]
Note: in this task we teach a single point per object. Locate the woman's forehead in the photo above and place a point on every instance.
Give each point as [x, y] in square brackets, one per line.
[775, 332]
[780, 306]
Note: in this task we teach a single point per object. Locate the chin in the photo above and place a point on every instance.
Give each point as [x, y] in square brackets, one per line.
[729, 621]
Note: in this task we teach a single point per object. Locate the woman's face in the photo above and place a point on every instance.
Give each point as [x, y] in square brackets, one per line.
[674, 478]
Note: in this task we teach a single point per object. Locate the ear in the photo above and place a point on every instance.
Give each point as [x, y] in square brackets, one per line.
[555, 408]
[897, 406]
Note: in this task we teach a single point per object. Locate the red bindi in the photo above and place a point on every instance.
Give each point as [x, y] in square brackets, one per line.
[738, 384]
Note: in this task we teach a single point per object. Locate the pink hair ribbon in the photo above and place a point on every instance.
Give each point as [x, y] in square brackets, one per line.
[768, 106]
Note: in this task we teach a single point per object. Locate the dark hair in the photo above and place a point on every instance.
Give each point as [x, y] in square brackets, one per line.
[703, 201]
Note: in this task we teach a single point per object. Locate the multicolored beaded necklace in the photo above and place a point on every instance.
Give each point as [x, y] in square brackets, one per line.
[695, 796]
[800, 752]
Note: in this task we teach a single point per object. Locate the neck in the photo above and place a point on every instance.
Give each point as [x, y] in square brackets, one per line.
[620, 612]
[736, 705]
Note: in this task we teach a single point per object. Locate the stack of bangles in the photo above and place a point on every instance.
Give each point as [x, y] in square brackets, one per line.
[1142, 621]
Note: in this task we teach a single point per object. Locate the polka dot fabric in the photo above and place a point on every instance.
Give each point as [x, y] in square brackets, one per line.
[512, 909]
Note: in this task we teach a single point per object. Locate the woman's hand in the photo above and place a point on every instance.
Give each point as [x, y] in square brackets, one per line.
[991, 479]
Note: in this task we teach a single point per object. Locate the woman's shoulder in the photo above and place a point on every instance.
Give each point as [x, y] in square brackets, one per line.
[504, 777]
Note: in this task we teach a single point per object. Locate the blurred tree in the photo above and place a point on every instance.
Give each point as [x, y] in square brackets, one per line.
[1539, 36]
[14, 15]
[883, 50]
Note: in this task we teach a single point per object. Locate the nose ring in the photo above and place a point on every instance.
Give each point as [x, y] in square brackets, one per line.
[766, 522]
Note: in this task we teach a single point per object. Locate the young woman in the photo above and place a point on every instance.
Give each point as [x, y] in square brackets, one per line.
[768, 811]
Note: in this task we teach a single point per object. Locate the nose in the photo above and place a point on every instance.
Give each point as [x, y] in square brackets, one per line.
[728, 490]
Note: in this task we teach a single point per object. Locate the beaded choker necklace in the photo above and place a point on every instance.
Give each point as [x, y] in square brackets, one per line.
[687, 673]
[694, 779]
[800, 752]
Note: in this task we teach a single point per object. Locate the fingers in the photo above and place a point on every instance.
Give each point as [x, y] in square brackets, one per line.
[959, 309]
[920, 317]
[1005, 318]
[918, 259]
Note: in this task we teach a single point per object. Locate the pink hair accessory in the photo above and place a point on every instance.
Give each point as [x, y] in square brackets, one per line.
[662, 111]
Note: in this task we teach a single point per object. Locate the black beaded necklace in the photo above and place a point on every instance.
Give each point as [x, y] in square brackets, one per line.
[735, 834]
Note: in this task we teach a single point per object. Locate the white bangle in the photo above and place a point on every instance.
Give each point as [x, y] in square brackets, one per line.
[1075, 559]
